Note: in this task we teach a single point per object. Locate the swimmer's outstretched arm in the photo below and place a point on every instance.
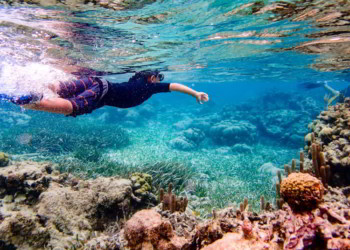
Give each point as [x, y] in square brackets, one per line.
[200, 96]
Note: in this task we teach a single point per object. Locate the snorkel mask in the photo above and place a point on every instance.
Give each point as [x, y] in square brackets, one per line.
[160, 77]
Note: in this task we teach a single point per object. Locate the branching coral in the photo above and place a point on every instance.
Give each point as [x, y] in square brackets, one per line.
[171, 202]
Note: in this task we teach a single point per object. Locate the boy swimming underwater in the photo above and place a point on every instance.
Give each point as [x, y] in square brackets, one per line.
[84, 95]
[334, 95]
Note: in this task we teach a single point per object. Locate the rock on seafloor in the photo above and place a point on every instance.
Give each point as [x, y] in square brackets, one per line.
[41, 208]
[147, 228]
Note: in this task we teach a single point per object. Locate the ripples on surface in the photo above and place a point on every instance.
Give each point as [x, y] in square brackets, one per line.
[217, 40]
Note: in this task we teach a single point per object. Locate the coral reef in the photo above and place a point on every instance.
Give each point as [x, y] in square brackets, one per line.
[302, 191]
[281, 229]
[276, 116]
[142, 183]
[42, 208]
[142, 188]
[128, 117]
[188, 139]
[4, 159]
[230, 132]
[181, 143]
[329, 145]
[241, 148]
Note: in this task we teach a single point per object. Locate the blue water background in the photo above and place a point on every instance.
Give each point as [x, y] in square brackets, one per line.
[234, 74]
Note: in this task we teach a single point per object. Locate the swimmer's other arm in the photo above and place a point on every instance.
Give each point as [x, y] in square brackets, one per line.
[200, 96]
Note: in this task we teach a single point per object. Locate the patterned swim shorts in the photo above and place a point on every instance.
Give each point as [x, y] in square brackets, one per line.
[84, 94]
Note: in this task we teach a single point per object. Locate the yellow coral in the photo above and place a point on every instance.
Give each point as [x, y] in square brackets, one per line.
[143, 181]
[144, 189]
[302, 191]
[4, 159]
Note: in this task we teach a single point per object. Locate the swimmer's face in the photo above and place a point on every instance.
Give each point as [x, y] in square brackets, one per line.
[155, 78]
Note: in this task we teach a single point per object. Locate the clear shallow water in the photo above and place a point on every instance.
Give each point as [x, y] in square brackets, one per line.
[249, 61]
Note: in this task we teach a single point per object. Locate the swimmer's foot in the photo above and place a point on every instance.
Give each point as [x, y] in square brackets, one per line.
[32, 98]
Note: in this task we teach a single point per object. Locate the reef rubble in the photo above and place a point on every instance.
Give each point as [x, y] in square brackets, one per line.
[41, 208]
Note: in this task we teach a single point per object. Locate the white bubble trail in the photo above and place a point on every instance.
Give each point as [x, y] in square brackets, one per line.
[19, 80]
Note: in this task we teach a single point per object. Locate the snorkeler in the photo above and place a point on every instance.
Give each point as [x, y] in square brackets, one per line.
[333, 94]
[84, 95]
[340, 95]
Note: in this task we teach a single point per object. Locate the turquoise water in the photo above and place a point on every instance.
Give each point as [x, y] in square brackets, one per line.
[249, 61]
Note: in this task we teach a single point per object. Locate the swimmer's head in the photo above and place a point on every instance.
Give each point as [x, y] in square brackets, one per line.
[151, 76]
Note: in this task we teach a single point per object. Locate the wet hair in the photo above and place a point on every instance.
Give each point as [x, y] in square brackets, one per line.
[145, 74]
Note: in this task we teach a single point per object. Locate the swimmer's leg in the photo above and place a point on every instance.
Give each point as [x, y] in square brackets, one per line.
[332, 99]
[52, 105]
[331, 90]
[81, 93]
[73, 88]
[334, 92]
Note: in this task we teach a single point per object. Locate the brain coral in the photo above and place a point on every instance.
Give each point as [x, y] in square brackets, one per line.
[302, 191]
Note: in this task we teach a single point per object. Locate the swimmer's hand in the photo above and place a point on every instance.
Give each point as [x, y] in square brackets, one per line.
[202, 97]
